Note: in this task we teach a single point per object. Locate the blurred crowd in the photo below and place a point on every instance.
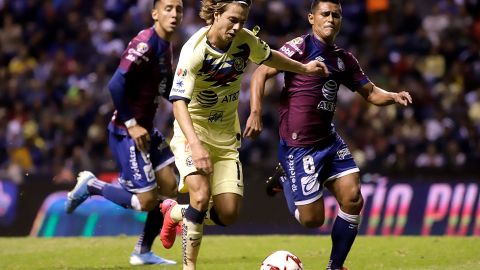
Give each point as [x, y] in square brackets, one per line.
[57, 56]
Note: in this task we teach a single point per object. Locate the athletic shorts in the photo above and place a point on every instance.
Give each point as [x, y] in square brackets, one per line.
[227, 174]
[137, 169]
[307, 169]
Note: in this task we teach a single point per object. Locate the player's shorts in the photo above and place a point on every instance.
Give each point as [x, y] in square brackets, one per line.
[227, 176]
[307, 169]
[137, 169]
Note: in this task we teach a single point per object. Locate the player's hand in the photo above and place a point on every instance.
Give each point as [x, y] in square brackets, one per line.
[316, 67]
[254, 126]
[141, 137]
[201, 159]
[403, 98]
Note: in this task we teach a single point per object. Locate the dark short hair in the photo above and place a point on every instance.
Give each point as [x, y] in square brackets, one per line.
[247, 2]
[315, 3]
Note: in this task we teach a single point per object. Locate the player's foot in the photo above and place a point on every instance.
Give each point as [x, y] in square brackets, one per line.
[148, 258]
[80, 192]
[169, 228]
[273, 184]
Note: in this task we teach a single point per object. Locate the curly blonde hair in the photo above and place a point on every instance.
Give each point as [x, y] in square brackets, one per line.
[209, 7]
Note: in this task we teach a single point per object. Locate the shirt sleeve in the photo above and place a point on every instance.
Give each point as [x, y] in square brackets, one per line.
[294, 48]
[259, 49]
[185, 74]
[356, 78]
[136, 55]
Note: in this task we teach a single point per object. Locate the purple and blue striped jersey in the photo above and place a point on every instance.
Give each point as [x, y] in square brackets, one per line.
[308, 103]
[142, 77]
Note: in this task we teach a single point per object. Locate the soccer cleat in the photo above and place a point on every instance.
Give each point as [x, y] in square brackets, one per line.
[273, 183]
[148, 258]
[169, 228]
[80, 192]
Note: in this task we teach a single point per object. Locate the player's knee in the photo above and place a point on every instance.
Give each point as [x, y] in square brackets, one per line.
[354, 202]
[228, 218]
[169, 191]
[312, 221]
[199, 200]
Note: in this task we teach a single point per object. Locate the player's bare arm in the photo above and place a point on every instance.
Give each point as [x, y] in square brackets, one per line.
[254, 124]
[380, 97]
[200, 155]
[282, 62]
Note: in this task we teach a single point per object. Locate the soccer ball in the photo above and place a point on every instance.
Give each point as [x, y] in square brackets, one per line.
[281, 260]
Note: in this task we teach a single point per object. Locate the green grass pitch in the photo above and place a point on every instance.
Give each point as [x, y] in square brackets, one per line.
[243, 252]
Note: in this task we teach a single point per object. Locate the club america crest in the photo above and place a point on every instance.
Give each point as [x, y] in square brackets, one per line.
[238, 63]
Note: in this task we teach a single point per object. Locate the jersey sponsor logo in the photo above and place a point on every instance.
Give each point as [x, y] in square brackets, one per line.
[215, 116]
[134, 55]
[178, 87]
[231, 97]
[181, 72]
[134, 164]
[294, 44]
[340, 64]
[288, 52]
[310, 184]
[319, 58]
[326, 105]
[343, 153]
[207, 98]
[329, 90]
[291, 169]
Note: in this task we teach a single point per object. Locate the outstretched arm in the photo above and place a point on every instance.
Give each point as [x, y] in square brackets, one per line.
[380, 97]
[283, 63]
[257, 88]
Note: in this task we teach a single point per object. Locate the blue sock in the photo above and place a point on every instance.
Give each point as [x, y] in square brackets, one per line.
[113, 193]
[151, 229]
[343, 235]
[194, 215]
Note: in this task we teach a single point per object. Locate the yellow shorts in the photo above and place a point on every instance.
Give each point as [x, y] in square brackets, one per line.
[227, 176]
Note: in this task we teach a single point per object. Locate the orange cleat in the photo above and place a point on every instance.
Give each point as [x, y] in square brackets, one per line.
[169, 228]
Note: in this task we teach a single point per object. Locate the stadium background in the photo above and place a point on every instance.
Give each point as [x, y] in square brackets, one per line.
[420, 164]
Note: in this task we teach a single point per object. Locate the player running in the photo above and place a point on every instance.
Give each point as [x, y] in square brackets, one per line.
[144, 158]
[310, 151]
[207, 136]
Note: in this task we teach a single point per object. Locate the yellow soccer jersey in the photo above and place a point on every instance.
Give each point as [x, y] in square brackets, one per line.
[209, 79]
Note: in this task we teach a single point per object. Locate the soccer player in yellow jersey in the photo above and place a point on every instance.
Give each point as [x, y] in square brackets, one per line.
[207, 136]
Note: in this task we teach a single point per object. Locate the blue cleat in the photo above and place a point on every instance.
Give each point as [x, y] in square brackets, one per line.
[80, 192]
[148, 258]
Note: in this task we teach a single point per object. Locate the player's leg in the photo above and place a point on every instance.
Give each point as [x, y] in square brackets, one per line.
[192, 228]
[344, 183]
[301, 185]
[227, 190]
[162, 159]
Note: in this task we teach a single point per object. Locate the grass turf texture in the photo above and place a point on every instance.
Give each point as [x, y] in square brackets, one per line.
[243, 252]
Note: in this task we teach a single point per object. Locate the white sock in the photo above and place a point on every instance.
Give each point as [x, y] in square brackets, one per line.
[135, 203]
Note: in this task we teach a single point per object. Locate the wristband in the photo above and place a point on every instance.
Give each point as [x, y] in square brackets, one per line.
[130, 123]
